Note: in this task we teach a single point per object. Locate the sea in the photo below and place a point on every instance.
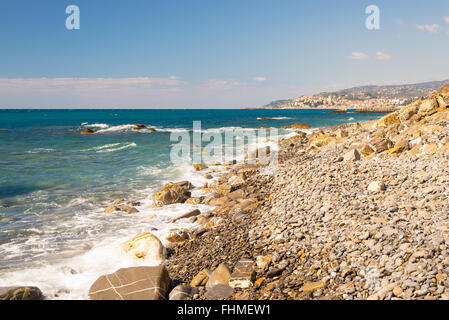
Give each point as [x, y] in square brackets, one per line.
[55, 184]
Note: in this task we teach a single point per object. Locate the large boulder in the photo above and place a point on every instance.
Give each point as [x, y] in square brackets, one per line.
[388, 120]
[145, 246]
[171, 193]
[409, 110]
[21, 293]
[428, 107]
[135, 283]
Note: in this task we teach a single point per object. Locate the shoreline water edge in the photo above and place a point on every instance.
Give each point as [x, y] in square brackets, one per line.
[353, 211]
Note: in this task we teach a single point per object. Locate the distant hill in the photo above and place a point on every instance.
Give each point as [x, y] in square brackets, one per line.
[408, 91]
[389, 91]
[277, 103]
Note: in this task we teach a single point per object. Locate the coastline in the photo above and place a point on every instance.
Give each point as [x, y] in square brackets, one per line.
[351, 213]
[348, 213]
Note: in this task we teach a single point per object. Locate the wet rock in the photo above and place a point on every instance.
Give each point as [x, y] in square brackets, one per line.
[189, 214]
[171, 193]
[21, 293]
[145, 246]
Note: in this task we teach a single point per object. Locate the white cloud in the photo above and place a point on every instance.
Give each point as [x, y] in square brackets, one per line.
[382, 56]
[85, 84]
[432, 28]
[358, 56]
[260, 79]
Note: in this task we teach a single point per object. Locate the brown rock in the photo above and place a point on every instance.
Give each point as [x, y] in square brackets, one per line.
[136, 283]
[297, 126]
[199, 166]
[189, 214]
[201, 278]
[380, 145]
[243, 274]
[221, 275]
[111, 209]
[21, 293]
[193, 201]
[171, 193]
[88, 131]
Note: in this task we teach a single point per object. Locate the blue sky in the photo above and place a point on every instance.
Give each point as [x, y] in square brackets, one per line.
[215, 53]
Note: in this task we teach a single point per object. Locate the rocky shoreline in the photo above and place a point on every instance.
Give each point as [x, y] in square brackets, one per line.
[356, 211]
[351, 213]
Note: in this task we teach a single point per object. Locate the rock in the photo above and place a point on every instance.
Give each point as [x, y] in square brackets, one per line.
[380, 145]
[135, 283]
[118, 201]
[183, 292]
[428, 107]
[408, 111]
[201, 278]
[263, 261]
[111, 209]
[376, 186]
[145, 246]
[219, 292]
[311, 286]
[243, 274]
[366, 150]
[387, 120]
[21, 293]
[127, 209]
[88, 131]
[224, 189]
[352, 155]
[177, 236]
[139, 126]
[297, 126]
[171, 193]
[236, 195]
[193, 201]
[221, 275]
[199, 166]
[236, 181]
[275, 272]
[189, 214]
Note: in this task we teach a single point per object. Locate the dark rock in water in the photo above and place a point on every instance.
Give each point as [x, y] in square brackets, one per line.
[88, 131]
[21, 293]
[135, 283]
[219, 292]
[183, 292]
[338, 111]
[139, 126]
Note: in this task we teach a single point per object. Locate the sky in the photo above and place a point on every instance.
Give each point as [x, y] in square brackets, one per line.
[212, 53]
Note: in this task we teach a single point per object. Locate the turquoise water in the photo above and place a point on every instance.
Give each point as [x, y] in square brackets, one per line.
[55, 182]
